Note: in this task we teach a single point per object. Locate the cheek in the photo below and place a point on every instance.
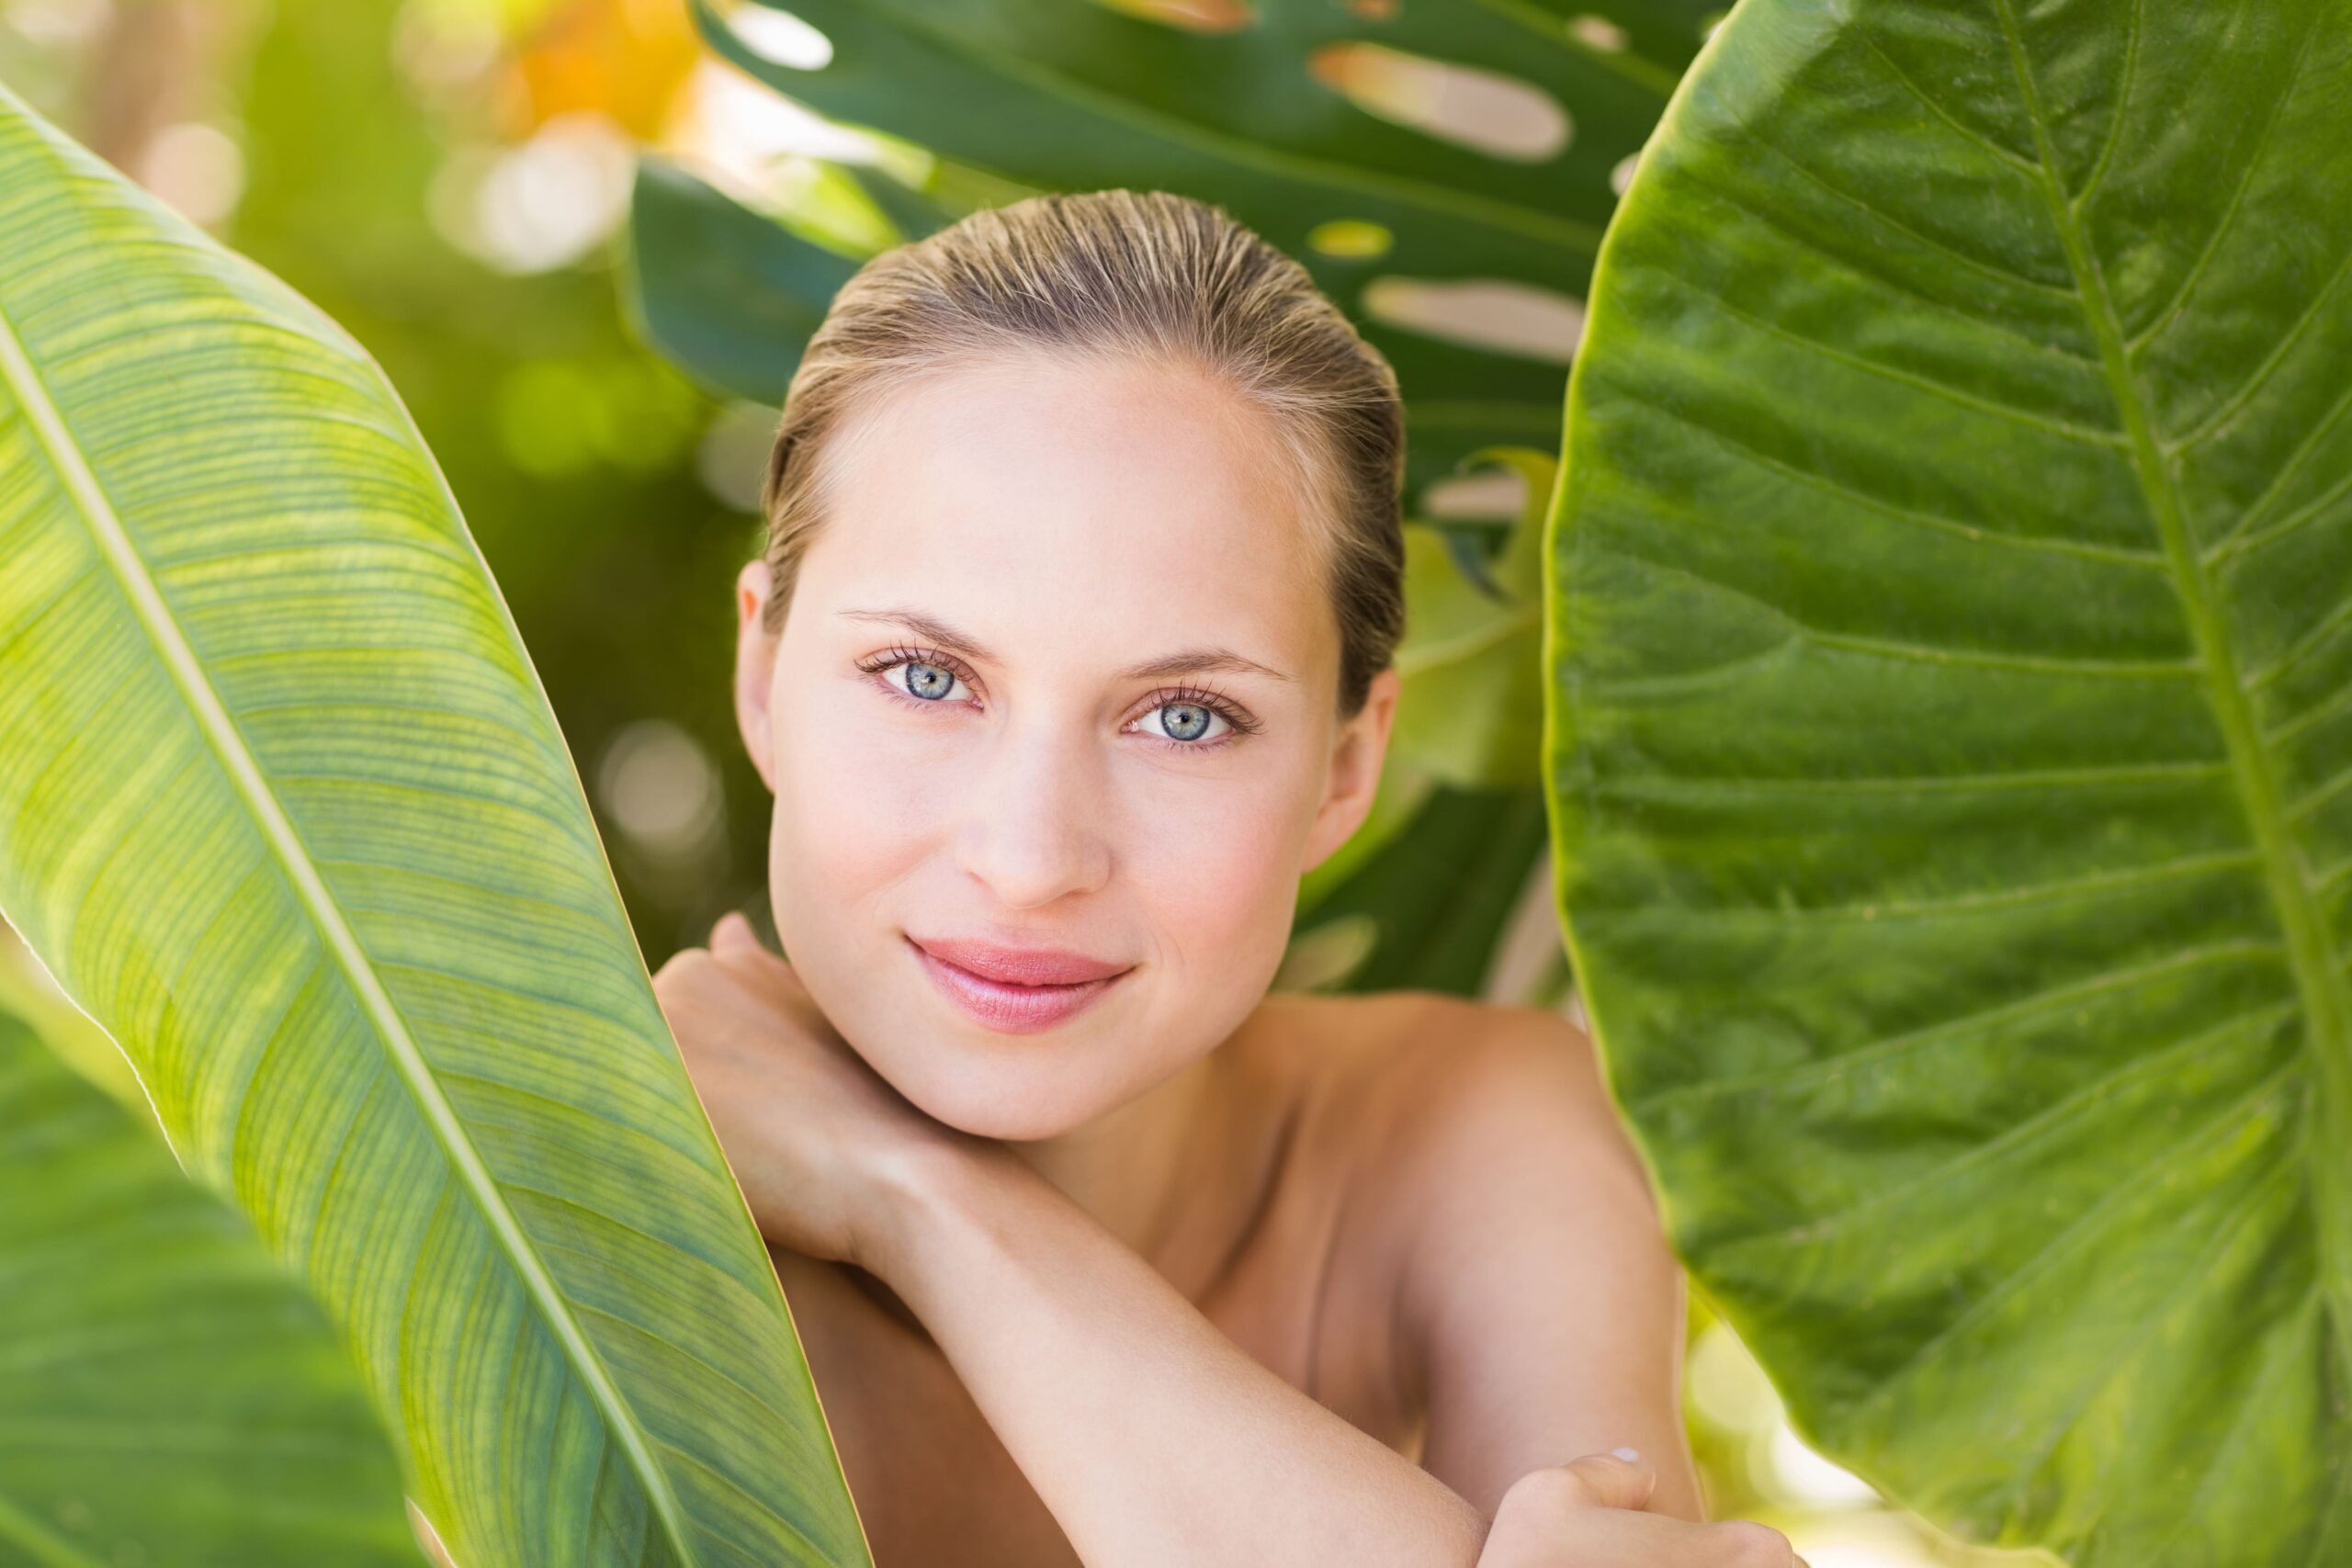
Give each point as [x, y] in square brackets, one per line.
[849, 822]
[1217, 867]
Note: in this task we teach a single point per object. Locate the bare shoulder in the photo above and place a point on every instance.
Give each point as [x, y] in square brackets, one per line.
[1509, 1225]
[1485, 1084]
[1530, 1067]
[1447, 1073]
[1483, 1174]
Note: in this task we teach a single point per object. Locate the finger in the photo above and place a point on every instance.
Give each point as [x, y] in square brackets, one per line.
[1614, 1480]
[733, 933]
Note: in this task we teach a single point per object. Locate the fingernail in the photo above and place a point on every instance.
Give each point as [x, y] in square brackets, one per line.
[1628, 1455]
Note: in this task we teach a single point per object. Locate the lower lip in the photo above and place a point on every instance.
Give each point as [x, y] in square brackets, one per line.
[1012, 1009]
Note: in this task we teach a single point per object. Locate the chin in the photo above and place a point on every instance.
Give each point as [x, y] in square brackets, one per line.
[1009, 1124]
[989, 1096]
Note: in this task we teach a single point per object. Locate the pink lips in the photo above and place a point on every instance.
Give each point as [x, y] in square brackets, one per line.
[1017, 991]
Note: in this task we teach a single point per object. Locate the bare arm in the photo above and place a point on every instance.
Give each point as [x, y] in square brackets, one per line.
[1542, 1308]
[1150, 1436]
[1538, 1294]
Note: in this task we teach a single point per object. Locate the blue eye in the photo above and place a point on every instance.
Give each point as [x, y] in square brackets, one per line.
[929, 682]
[1186, 720]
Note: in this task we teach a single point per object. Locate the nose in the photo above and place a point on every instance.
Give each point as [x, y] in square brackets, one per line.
[1031, 827]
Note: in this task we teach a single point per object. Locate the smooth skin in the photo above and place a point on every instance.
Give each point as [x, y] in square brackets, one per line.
[1203, 1274]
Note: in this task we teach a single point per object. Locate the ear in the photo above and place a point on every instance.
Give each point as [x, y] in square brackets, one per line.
[1357, 754]
[754, 668]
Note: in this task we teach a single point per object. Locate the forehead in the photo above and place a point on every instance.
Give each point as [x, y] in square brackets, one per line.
[1063, 499]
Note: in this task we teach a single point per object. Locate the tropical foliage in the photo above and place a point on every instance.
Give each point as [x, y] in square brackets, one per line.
[1950, 740]
[1925, 663]
[170, 1396]
[285, 812]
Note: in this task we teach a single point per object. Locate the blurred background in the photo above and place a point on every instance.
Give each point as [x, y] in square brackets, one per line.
[452, 180]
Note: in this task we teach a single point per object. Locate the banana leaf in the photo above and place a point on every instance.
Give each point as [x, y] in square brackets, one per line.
[168, 1395]
[283, 807]
[1951, 720]
[27, 993]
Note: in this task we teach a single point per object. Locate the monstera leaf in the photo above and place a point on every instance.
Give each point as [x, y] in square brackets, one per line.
[730, 295]
[1314, 123]
[1952, 717]
[1260, 110]
[169, 1395]
[283, 807]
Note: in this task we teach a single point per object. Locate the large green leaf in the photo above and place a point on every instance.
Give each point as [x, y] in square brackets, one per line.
[283, 807]
[1064, 94]
[1951, 720]
[168, 1395]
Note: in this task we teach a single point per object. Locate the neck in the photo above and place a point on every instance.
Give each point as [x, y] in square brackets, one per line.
[1130, 1166]
[1175, 1173]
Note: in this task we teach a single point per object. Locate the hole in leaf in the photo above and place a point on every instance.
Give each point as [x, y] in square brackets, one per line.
[1351, 238]
[1598, 34]
[779, 38]
[1491, 313]
[1484, 110]
[1192, 15]
[1495, 495]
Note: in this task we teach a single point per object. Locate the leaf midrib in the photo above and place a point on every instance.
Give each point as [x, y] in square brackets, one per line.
[170, 644]
[2320, 985]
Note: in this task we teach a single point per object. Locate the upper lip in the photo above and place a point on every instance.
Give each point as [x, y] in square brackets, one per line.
[1018, 965]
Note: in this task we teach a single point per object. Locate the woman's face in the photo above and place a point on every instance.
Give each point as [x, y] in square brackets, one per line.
[1059, 676]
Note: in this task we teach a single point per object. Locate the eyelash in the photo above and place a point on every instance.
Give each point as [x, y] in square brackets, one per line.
[1216, 702]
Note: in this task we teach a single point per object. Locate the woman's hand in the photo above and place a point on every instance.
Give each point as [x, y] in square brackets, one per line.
[1588, 1514]
[815, 1136]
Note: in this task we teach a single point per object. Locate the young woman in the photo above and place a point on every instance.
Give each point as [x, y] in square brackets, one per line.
[1068, 655]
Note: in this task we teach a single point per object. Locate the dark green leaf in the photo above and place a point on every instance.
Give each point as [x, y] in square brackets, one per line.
[1068, 95]
[1952, 710]
[728, 294]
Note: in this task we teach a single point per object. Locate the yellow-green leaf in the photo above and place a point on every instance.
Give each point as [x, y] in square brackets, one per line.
[282, 806]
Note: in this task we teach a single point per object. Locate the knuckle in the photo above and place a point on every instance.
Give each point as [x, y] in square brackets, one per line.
[1554, 1489]
[684, 962]
[1749, 1544]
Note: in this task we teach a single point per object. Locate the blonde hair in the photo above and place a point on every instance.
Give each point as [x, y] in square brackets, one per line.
[1107, 274]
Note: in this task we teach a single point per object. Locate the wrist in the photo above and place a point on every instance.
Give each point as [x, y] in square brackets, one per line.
[919, 1195]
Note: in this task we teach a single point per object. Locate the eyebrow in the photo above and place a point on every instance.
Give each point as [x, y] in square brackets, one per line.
[1185, 661]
